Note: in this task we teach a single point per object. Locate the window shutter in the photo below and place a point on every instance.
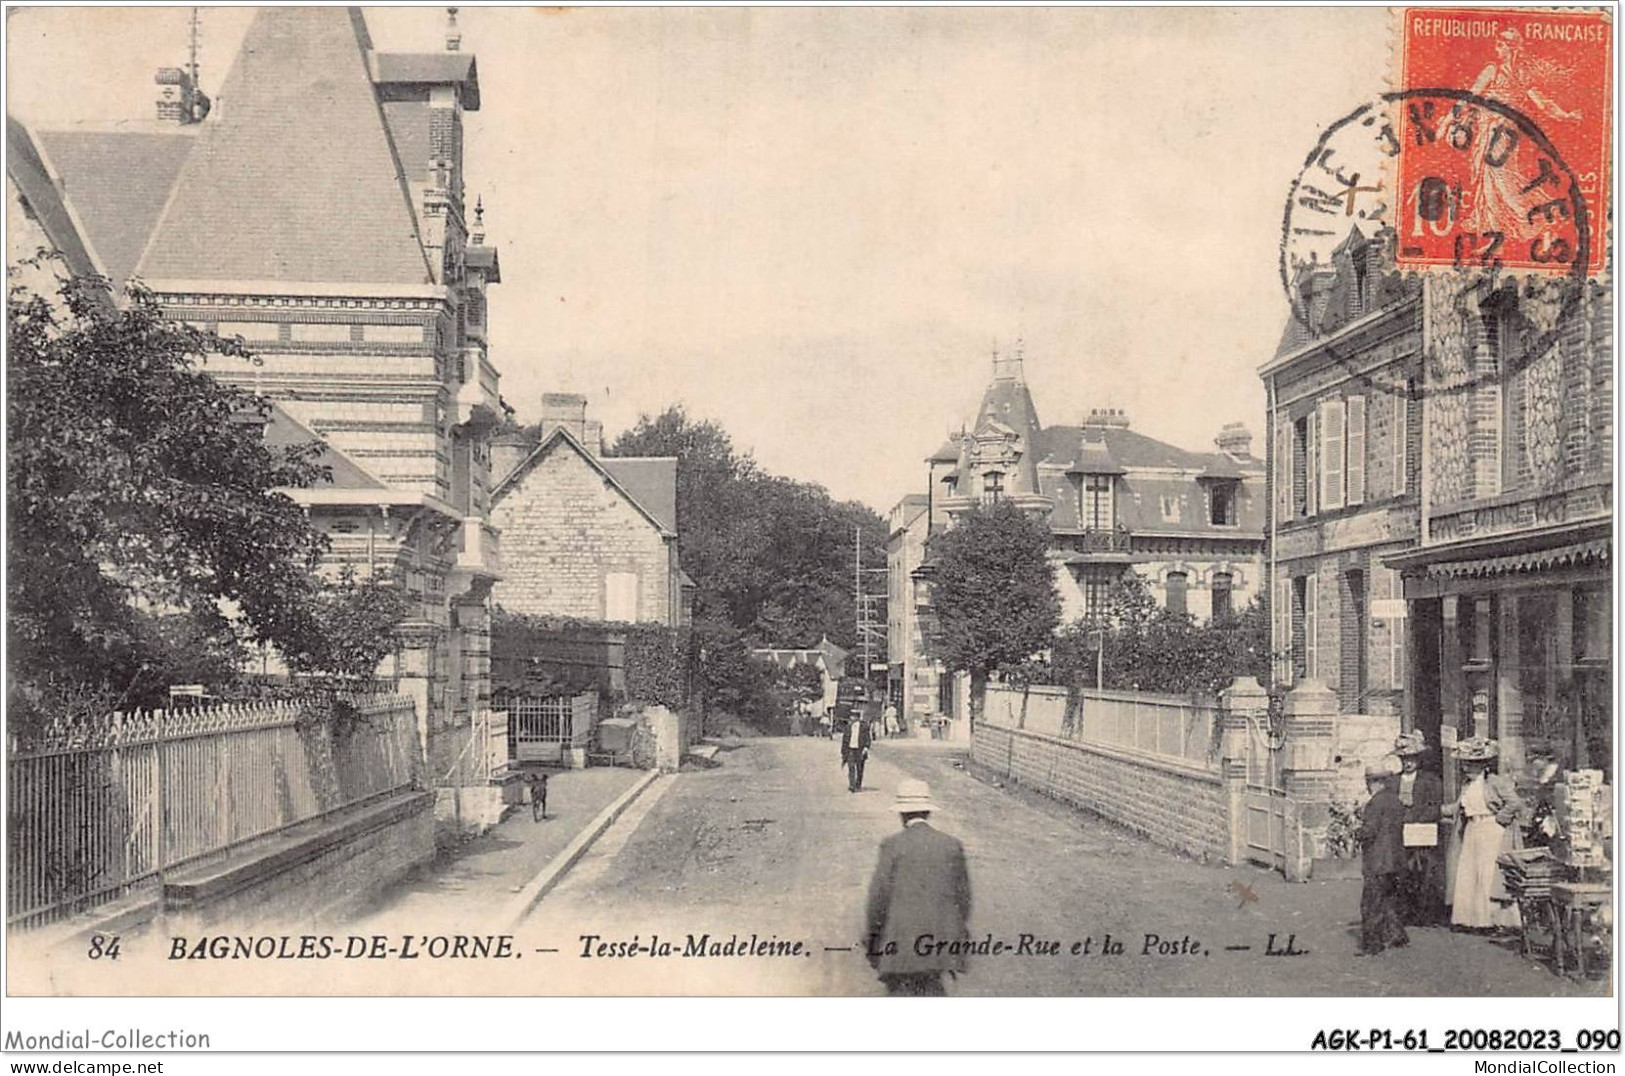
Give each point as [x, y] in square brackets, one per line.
[1311, 588]
[1401, 412]
[1283, 470]
[1396, 632]
[1311, 485]
[1331, 454]
[1356, 450]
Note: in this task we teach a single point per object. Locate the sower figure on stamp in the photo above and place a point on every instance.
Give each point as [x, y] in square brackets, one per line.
[920, 889]
[855, 743]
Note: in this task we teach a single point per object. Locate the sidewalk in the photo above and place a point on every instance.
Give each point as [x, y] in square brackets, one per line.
[486, 873]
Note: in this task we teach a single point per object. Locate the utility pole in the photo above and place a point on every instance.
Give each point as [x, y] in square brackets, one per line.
[871, 618]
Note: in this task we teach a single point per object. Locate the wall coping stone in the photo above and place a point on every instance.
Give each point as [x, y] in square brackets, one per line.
[247, 867]
[1148, 761]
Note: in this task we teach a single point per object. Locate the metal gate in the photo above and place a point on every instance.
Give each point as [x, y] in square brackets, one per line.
[1266, 811]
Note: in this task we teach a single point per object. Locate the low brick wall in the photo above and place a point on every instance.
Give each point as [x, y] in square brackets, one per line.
[1180, 806]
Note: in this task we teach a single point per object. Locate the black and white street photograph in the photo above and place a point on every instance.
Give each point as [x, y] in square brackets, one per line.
[822, 502]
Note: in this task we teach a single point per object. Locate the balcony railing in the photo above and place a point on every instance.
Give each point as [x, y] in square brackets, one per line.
[1104, 540]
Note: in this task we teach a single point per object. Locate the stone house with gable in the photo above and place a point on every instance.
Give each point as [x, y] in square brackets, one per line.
[360, 286]
[586, 535]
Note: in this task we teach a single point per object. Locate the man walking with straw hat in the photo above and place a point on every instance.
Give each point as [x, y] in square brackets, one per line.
[919, 899]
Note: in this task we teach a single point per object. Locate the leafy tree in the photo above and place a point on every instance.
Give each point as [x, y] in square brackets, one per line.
[142, 498]
[993, 593]
[772, 558]
[1144, 647]
[353, 627]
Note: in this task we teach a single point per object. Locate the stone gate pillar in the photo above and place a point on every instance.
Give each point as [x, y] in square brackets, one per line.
[1242, 704]
[1308, 772]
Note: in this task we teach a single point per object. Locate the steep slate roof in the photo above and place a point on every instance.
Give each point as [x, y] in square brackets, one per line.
[344, 473]
[648, 477]
[27, 170]
[117, 181]
[651, 481]
[294, 178]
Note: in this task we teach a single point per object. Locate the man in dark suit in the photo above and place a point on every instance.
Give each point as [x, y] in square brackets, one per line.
[855, 741]
[1382, 860]
[1421, 793]
[918, 899]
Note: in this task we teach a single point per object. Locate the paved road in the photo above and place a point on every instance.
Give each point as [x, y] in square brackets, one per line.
[770, 843]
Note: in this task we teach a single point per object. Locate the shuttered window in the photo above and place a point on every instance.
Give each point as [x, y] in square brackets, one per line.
[1356, 450]
[1332, 454]
[1312, 440]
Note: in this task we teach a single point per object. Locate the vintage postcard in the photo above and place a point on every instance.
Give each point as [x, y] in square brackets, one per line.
[812, 503]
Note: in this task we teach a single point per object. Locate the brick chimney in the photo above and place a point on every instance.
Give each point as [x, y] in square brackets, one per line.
[1235, 440]
[594, 437]
[565, 409]
[179, 99]
[1106, 418]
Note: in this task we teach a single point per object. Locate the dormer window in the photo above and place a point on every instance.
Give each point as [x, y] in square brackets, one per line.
[1095, 508]
[992, 487]
[1222, 504]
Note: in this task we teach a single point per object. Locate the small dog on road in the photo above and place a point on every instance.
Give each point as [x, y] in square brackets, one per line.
[537, 782]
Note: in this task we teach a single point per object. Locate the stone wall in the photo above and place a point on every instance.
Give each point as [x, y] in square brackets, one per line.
[565, 529]
[311, 877]
[1177, 806]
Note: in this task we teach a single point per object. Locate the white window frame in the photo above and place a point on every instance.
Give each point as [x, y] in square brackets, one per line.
[621, 592]
[1333, 426]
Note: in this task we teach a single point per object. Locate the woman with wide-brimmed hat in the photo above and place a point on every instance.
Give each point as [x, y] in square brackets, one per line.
[1487, 814]
[1421, 793]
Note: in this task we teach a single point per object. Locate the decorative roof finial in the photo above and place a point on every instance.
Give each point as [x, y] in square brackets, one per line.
[476, 236]
[454, 36]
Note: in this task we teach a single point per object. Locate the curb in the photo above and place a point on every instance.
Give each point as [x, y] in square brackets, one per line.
[549, 876]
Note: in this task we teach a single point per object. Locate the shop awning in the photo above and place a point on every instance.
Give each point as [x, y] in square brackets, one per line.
[1575, 546]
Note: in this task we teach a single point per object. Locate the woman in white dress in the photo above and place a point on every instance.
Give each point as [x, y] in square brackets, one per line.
[1487, 814]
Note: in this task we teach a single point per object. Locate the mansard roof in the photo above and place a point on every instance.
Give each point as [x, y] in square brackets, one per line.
[294, 178]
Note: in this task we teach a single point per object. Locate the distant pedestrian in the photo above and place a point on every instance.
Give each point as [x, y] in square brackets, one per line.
[920, 890]
[890, 720]
[538, 796]
[1382, 859]
[855, 743]
[825, 723]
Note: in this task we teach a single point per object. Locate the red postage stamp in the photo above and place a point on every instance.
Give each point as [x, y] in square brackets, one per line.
[1504, 131]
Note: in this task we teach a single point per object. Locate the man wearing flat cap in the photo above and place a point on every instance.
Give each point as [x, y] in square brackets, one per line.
[919, 897]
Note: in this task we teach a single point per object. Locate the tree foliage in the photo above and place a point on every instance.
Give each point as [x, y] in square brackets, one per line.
[771, 557]
[1142, 646]
[993, 593]
[149, 542]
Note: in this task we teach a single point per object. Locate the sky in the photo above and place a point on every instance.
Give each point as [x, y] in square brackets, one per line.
[815, 225]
